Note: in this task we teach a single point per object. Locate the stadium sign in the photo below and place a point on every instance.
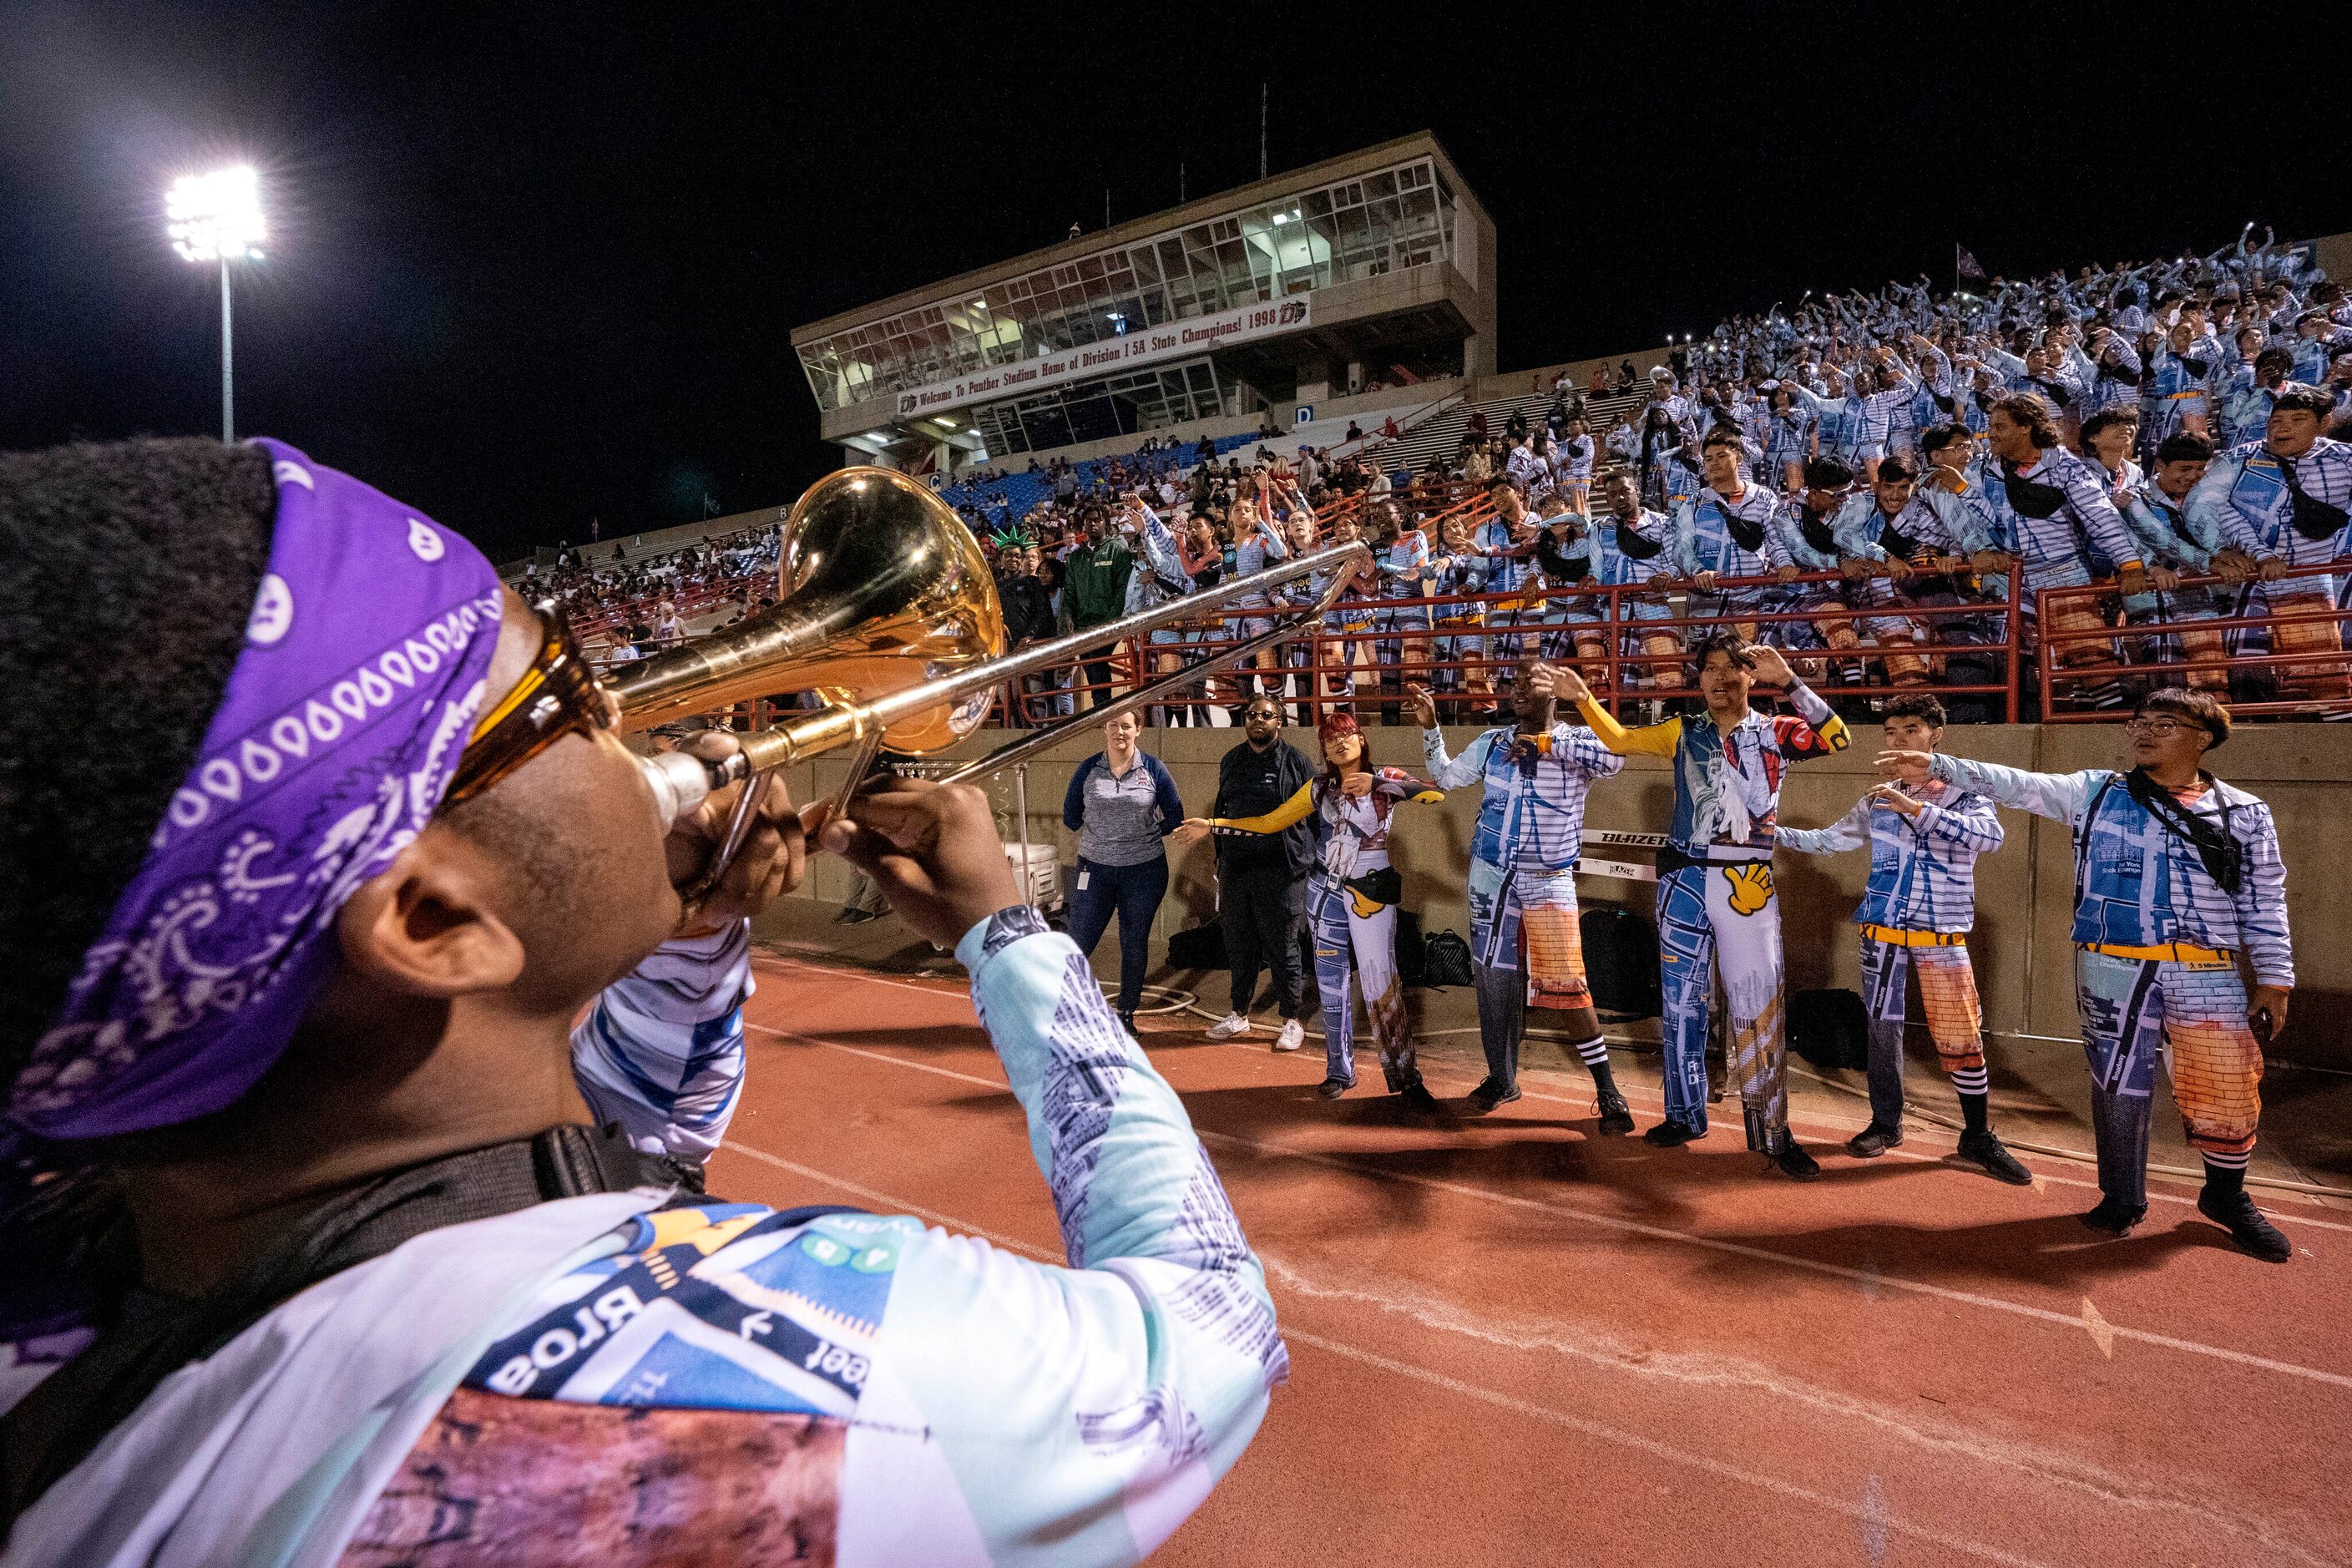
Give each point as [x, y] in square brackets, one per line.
[1191, 335]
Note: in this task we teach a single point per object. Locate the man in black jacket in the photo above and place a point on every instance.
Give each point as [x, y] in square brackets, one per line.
[1261, 878]
[1028, 608]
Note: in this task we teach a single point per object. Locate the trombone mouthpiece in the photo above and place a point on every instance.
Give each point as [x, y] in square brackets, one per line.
[680, 784]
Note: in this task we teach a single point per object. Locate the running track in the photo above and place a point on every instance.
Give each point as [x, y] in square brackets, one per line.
[1515, 1342]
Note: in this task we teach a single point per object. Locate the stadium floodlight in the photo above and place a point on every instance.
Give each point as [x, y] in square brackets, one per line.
[216, 218]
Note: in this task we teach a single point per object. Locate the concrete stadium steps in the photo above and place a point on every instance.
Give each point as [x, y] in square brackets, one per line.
[1441, 436]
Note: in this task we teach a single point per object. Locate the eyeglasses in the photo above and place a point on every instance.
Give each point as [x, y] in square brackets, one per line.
[559, 695]
[2159, 728]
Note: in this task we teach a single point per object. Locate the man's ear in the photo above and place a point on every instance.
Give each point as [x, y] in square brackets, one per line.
[426, 924]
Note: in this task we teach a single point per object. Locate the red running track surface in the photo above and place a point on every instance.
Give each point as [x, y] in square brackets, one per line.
[1515, 1342]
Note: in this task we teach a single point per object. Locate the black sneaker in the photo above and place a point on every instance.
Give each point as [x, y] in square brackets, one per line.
[1874, 1140]
[1333, 1088]
[1491, 1092]
[2112, 1218]
[1788, 1157]
[2246, 1224]
[1417, 1097]
[1986, 1151]
[1616, 1118]
[1671, 1134]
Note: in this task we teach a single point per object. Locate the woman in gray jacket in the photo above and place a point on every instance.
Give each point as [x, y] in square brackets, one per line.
[1122, 802]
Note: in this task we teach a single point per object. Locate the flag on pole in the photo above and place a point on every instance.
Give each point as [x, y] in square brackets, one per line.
[1966, 268]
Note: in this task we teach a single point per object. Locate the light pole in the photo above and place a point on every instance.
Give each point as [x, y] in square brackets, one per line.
[217, 217]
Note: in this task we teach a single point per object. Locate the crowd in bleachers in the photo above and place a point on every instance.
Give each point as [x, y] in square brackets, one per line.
[627, 609]
[1863, 476]
[1866, 478]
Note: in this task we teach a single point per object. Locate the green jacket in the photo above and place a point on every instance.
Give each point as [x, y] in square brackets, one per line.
[1095, 589]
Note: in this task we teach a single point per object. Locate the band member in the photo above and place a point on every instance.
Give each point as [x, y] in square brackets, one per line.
[2056, 511]
[2176, 874]
[2280, 502]
[1806, 526]
[1916, 914]
[2176, 547]
[1716, 908]
[1524, 941]
[1725, 530]
[1625, 545]
[1351, 901]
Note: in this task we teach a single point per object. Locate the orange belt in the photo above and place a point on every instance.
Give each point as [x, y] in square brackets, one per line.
[2170, 953]
[1897, 938]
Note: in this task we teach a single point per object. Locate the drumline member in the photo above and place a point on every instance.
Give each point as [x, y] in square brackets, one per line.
[1525, 945]
[1716, 904]
[1914, 914]
[1352, 902]
[2176, 874]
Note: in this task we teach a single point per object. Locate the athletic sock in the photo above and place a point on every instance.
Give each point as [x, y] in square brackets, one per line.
[1972, 1108]
[1603, 1079]
[2224, 1181]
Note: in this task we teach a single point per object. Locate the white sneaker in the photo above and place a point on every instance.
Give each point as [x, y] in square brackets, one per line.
[1292, 1036]
[1226, 1027]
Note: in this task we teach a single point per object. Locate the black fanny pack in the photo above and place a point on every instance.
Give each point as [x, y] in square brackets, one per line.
[2030, 498]
[1672, 859]
[2314, 519]
[1381, 887]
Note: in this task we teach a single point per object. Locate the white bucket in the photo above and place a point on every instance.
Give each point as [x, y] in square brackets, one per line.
[1043, 881]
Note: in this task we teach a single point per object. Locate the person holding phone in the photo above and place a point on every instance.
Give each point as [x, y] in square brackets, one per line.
[2176, 875]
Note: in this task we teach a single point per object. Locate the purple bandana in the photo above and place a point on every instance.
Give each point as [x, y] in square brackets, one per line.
[341, 725]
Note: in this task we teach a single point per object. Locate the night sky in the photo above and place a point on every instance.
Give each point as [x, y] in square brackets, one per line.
[531, 264]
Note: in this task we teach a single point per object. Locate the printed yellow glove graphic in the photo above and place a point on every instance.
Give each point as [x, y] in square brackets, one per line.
[1751, 888]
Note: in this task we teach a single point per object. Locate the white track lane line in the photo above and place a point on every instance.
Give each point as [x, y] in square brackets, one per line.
[2071, 1323]
[1517, 1407]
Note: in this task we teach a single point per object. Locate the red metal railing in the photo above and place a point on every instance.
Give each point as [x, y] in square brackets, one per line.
[2088, 662]
[1620, 674]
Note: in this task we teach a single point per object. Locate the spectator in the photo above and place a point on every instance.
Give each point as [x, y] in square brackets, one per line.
[1095, 592]
[1122, 802]
[1261, 878]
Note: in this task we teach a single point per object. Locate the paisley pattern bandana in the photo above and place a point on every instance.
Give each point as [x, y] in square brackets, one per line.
[342, 720]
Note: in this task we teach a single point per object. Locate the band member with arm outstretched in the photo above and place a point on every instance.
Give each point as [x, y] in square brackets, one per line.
[1916, 914]
[1716, 908]
[2176, 874]
[1352, 903]
[1523, 857]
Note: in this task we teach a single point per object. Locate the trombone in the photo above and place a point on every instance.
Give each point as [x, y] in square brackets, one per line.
[888, 611]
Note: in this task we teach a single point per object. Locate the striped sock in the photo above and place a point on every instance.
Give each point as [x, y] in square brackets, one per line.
[1973, 1111]
[2236, 1163]
[2224, 1180]
[1975, 1080]
[1593, 1053]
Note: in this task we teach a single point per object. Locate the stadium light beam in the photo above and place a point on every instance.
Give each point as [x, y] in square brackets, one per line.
[216, 218]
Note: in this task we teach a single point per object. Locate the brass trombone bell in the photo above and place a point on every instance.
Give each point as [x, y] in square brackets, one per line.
[881, 589]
